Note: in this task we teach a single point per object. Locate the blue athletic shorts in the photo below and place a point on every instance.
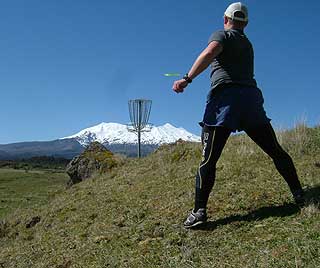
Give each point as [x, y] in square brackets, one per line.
[237, 108]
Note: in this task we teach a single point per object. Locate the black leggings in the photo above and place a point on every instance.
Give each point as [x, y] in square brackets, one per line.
[214, 140]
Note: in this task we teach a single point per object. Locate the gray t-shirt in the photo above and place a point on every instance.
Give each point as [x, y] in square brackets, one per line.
[234, 65]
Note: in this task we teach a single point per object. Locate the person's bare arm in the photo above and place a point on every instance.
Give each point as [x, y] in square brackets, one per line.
[200, 64]
[205, 58]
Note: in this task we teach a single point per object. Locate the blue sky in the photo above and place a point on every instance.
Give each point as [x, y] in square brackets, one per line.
[68, 65]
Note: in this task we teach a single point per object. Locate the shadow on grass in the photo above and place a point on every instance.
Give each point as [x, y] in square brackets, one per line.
[312, 196]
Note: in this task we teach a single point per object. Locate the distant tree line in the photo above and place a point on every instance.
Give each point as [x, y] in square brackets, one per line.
[37, 162]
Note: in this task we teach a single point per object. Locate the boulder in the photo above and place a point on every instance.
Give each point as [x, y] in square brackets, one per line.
[94, 159]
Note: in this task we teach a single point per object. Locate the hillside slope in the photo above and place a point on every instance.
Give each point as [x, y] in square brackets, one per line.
[133, 216]
[66, 148]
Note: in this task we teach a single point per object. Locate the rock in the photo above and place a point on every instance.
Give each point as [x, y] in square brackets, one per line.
[94, 159]
[180, 141]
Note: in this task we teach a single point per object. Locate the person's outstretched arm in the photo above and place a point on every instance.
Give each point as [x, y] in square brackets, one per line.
[201, 63]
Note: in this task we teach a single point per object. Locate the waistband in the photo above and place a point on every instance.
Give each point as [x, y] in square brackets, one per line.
[222, 87]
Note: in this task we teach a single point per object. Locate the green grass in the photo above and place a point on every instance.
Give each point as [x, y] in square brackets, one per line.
[21, 189]
[132, 216]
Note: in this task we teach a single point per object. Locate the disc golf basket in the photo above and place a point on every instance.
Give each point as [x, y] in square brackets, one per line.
[139, 111]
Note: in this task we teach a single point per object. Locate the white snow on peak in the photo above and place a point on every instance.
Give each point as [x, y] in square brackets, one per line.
[114, 133]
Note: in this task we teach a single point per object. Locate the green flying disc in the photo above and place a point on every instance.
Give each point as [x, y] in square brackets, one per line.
[172, 74]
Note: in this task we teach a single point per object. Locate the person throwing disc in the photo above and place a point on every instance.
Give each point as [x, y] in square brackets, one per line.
[234, 103]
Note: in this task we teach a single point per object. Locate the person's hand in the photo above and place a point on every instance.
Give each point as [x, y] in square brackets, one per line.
[179, 85]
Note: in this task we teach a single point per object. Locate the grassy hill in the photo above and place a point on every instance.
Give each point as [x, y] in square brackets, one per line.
[132, 217]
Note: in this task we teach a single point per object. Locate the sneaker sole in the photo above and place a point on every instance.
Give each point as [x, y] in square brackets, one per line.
[193, 225]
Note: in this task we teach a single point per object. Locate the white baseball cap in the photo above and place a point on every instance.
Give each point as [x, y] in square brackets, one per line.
[237, 11]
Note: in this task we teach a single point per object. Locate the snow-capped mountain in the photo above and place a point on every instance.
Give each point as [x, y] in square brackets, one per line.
[114, 136]
[114, 133]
